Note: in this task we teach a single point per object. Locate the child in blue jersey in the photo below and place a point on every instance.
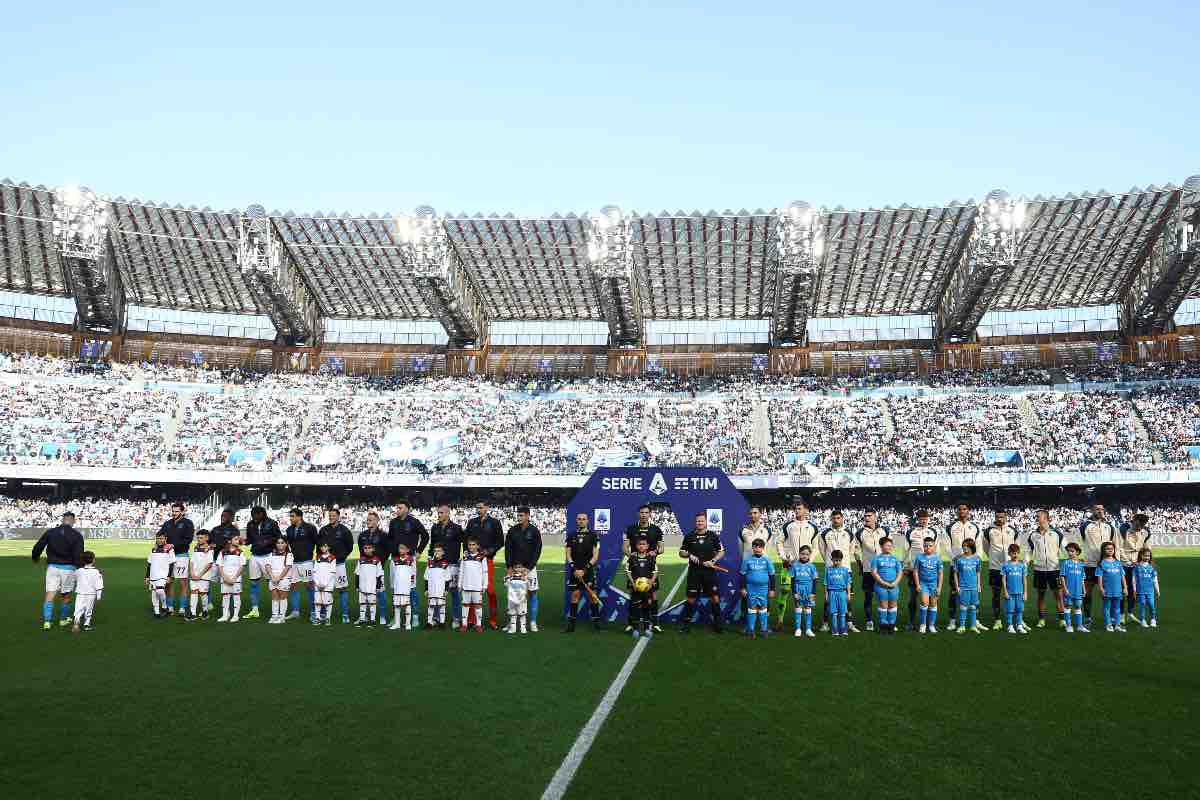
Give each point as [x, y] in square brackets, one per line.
[967, 570]
[1014, 590]
[1110, 575]
[1072, 573]
[758, 586]
[838, 593]
[886, 570]
[1145, 586]
[928, 569]
[804, 590]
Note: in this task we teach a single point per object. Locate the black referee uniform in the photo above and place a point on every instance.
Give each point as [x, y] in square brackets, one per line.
[702, 546]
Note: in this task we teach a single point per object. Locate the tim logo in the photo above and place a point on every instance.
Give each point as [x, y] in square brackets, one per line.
[602, 519]
[658, 485]
[716, 519]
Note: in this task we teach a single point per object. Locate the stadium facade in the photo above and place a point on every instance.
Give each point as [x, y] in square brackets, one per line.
[951, 286]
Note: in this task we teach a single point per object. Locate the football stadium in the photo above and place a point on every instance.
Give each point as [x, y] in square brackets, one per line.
[894, 500]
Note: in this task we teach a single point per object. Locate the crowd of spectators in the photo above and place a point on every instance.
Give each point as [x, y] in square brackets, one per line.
[90, 512]
[48, 418]
[1092, 430]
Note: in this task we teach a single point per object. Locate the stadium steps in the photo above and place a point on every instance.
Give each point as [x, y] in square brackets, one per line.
[1030, 424]
[760, 431]
[886, 417]
[171, 429]
[294, 442]
[1139, 427]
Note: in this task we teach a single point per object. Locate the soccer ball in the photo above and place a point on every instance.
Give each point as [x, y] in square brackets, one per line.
[642, 585]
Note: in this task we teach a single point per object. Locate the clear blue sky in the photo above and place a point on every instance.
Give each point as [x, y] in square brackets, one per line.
[535, 108]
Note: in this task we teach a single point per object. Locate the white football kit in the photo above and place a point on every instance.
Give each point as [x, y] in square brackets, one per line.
[89, 586]
[324, 577]
[281, 571]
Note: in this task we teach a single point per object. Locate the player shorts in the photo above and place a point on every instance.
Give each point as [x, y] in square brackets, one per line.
[258, 566]
[756, 599]
[804, 599]
[452, 577]
[995, 579]
[968, 597]
[302, 572]
[284, 584]
[401, 599]
[589, 577]
[200, 585]
[929, 589]
[472, 598]
[60, 579]
[340, 581]
[701, 581]
[1047, 579]
[231, 588]
[1145, 600]
[888, 593]
[161, 583]
[1073, 602]
[323, 598]
[366, 598]
[181, 567]
[838, 601]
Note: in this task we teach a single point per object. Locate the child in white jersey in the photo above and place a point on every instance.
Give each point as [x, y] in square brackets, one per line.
[89, 585]
[404, 580]
[230, 566]
[472, 580]
[201, 570]
[517, 588]
[437, 575]
[325, 574]
[279, 571]
[158, 574]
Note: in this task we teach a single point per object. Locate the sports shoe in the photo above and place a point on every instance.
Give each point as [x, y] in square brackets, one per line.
[628, 628]
[1083, 629]
[1069, 629]
[1062, 623]
[62, 623]
[345, 619]
[997, 625]
[326, 621]
[635, 633]
[799, 633]
[808, 632]
[1041, 623]
[979, 627]
[252, 614]
[655, 629]
[850, 626]
[1142, 622]
[1153, 623]
[648, 633]
[532, 627]
[1122, 621]
[960, 631]
[952, 627]
[1109, 628]
[223, 618]
[870, 625]
[570, 626]
[361, 621]
[824, 627]
[395, 626]
[511, 627]
[923, 629]
[1023, 628]
[1121, 629]
[932, 629]
[45, 626]
[1011, 629]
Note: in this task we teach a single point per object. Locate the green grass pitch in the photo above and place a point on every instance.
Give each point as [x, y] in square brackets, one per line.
[141, 707]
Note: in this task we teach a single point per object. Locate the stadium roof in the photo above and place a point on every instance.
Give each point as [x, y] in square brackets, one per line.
[1071, 251]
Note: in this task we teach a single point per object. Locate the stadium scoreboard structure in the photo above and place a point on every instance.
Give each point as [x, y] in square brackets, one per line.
[611, 498]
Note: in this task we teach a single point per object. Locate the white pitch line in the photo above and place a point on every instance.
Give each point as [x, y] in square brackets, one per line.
[570, 765]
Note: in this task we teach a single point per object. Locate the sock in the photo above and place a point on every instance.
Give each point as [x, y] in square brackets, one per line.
[295, 595]
[345, 597]
[47, 610]
[533, 607]
[254, 594]
[932, 615]
[456, 604]
[1062, 616]
[195, 603]
[237, 604]
[924, 616]
[972, 618]
[414, 600]
[799, 619]
[962, 617]
[380, 597]
[67, 607]
[1079, 617]
[312, 599]
[573, 611]
[227, 605]
[274, 607]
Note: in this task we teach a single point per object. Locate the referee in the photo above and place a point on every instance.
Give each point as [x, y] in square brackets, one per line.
[644, 529]
[583, 551]
[702, 549]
